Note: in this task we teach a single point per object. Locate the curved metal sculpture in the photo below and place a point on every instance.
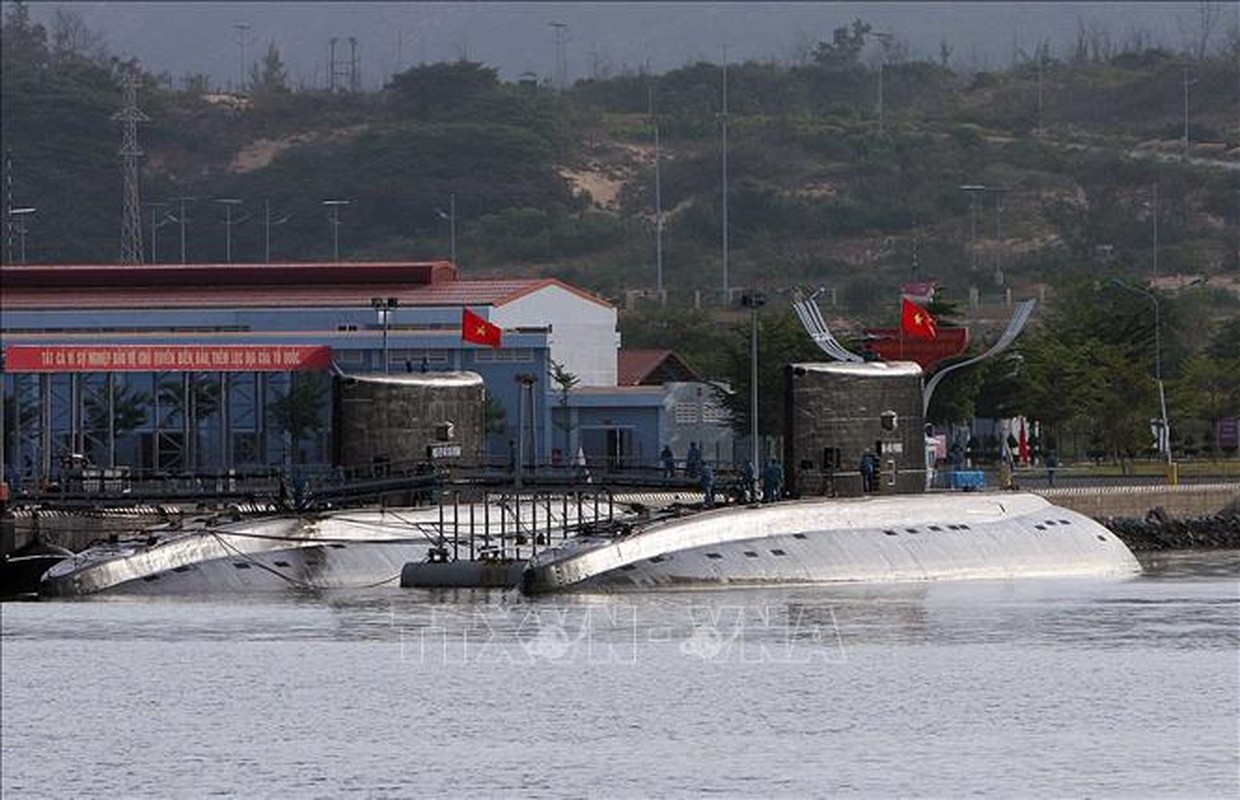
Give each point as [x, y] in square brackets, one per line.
[1015, 325]
[816, 327]
[811, 318]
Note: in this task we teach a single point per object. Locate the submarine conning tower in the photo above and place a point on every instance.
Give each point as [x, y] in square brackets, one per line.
[409, 417]
[835, 412]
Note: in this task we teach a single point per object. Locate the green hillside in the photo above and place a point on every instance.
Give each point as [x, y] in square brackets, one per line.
[824, 189]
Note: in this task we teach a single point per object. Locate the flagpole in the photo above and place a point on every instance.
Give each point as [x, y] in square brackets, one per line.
[902, 334]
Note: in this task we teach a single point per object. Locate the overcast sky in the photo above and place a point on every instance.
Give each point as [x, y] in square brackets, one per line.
[183, 38]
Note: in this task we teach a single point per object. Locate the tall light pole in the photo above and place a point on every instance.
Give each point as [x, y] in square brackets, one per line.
[658, 199]
[334, 219]
[561, 57]
[241, 27]
[450, 216]
[1186, 82]
[229, 203]
[1155, 212]
[1164, 435]
[974, 189]
[156, 224]
[385, 306]
[17, 218]
[998, 190]
[753, 301]
[267, 223]
[885, 40]
[723, 117]
[181, 201]
[525, 383]
[1041, 63]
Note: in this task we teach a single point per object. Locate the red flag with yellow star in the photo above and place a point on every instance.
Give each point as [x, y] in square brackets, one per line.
[916, 321]
[477, 330]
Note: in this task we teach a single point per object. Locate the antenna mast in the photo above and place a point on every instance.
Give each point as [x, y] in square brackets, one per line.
[131, 214]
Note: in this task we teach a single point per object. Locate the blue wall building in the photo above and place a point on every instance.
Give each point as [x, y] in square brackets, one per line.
[130, 365]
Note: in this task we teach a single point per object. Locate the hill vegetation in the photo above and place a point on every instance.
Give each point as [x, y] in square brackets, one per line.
[1081, 171]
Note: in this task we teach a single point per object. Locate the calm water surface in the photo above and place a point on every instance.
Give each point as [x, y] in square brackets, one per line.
[1026, 688]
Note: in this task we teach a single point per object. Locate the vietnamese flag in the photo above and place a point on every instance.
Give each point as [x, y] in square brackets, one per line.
[477, 330]
[916, 321]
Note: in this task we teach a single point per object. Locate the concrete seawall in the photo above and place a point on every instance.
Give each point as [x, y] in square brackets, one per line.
[1195, 516]
[1183, 501]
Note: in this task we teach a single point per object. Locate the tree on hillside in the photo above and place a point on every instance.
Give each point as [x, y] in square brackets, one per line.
[845, 46]
[269, 77]
[429, 90]
[1198, 32]
[73, 41]
[692, 333]
[23, 46]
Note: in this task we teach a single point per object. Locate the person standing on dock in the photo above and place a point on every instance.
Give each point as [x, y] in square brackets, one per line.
[869, 471]
[693, 461]
[772, 481]
[667, 461]
[1051, 463]
[749, 491]
[708, 486]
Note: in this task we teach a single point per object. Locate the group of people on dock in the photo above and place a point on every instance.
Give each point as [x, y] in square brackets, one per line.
[745, 486]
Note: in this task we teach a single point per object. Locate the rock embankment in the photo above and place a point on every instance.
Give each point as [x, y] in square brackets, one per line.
[1160, 531]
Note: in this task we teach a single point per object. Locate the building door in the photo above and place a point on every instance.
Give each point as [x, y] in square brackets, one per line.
[610, 448]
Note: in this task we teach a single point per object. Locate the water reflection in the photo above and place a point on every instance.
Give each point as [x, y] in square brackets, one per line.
[1183, 600]
[1191, 564]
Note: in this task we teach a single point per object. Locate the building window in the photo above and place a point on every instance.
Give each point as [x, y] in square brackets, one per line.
[519, 354]
[414, 357]
[685, 413]
[349, 358]
[714, 414]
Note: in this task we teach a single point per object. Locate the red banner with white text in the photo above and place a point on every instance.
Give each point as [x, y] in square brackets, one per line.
[166, 358]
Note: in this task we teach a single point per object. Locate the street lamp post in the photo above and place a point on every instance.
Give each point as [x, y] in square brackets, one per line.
[658, 214]
[334, 219]
[267, 223]
[1155, 215]
[385, 306]
[1164, 443]
[1186, 83]
[156, 224]
[17, 218]
[450, 216]
[973, 189]
[229, 203]
[181, 201]
[753, 301]
[452, 227]
[998, 190]
[723, 121]
[525, 382]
